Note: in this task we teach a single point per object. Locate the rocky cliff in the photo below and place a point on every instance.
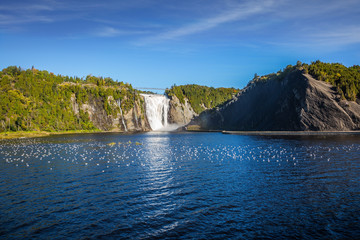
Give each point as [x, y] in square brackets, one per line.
[119, 120]
[180, 113]
[296, 101]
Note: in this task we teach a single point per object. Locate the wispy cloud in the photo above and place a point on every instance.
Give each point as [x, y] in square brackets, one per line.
[320, 40]
[240, 12]
[17, 14]
[337, 36]
[31, 7]
[309, 9]
[13, 20]
[107, 32]
[113, 32]
[152, 23]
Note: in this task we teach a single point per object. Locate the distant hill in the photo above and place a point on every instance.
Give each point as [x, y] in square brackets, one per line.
[318, 97]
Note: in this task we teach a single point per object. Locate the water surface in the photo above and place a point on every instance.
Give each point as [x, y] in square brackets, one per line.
[180, 186]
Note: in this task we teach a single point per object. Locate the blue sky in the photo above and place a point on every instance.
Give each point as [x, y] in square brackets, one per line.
[158, 43]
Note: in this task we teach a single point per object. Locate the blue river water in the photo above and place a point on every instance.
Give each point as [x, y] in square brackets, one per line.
[180, 186]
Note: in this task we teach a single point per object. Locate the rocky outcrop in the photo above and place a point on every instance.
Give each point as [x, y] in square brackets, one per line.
[296, 103]
[134, 119]
[180, 114]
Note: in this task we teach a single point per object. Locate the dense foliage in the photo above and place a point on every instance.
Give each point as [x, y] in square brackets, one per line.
[345, 79]
[201, 97]
[39, 100]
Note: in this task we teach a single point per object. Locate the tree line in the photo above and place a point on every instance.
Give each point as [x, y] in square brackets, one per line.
[32, 100]
[201, 97]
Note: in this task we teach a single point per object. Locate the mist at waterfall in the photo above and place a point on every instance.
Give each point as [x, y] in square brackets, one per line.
[157, 109]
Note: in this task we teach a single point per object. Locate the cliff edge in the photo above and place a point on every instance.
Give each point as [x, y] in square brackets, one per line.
[296, 102]
[180, 113]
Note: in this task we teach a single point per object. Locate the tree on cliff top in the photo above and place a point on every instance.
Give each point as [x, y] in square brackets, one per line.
[201, 97]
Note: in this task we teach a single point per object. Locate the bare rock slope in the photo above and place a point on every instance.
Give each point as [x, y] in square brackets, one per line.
[179, 113]
[296, 103]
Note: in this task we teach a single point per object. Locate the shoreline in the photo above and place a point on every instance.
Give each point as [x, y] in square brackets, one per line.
[292, 133]
[36, 134]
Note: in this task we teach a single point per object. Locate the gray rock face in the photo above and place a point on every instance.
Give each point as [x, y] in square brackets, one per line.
[179, 113]
[297, 103]
[134, 121]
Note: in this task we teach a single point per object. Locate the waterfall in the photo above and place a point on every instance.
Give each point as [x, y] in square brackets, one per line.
[121, 113]
[135, 115]
[157, 108]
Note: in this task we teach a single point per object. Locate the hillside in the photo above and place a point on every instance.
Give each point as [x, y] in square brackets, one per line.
[199, 97]
[38, 100]
[292, 100]
[345, 79]
[188, 101]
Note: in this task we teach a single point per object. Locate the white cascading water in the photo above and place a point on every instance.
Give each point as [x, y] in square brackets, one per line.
[121, 114]
[157, 108]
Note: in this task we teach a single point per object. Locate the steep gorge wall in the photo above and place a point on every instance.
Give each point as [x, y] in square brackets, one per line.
[134, 119]
[180, 113]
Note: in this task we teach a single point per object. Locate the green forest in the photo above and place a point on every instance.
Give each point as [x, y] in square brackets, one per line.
[201, 97]
[345, 79]
[33, 100]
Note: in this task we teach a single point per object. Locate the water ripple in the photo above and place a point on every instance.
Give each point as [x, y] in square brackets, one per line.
[180, 186]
